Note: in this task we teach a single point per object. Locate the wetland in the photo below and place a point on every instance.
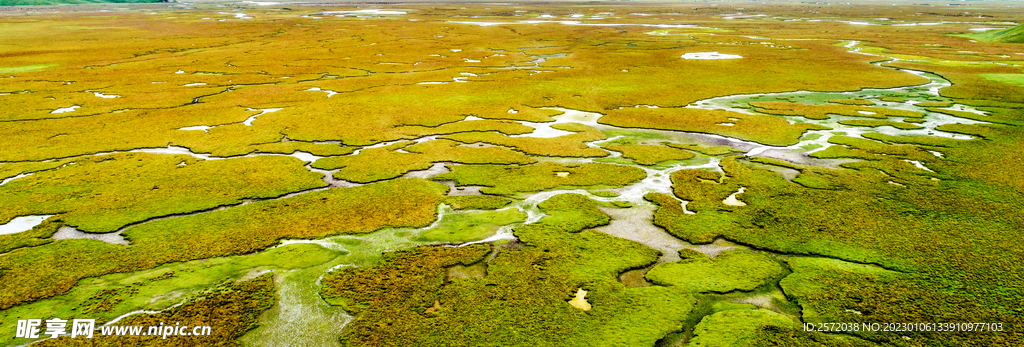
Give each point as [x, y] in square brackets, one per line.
[556, 174]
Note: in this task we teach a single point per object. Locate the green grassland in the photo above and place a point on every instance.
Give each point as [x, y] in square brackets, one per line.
[106, 193]
[477, 202]
[893, 221]
[388, 163]
[1009, 35]
[650, 154]
[879, 123]
[735, 270]
[408, 300]
[106, 297]
[509, 180]
[734, 328]
[1015, 79]
[759, 128]
[471, 226]
[822, 111]
[54, 268]
[230, 310]
[563, 146]
[862, 205]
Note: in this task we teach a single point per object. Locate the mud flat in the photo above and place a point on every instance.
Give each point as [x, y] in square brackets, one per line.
[70, 233]
[636, 224]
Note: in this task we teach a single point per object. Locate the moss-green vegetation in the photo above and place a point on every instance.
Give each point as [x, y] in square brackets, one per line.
[557, 259]
[852, 102]
[1008, 35]
[506, 127]
[810, 137]
[733, 270]
[572, 145]
[697, 228]
[914, 140]
[949, 237]
[957, 215]
[622, 204]
[808, 176]
[970, 87]
[736, 327]
[39, 272]
[464, 227]
[797, 337]
[726, 305]
[840, 152]
[375, 164]
[650, 154]
[829, 290]
[376, 79]
[633, 136]
[477, 202]
[604, 193]
[934, 104]
[879, 123]
[823, 111]
[9, 170]
[571, 213]
[980, 164]
[509, 180]
[713, 150]
[417, 273]
[311, 148]
[105, 193]
[736, 324]
[106, 297]
[973, 116]
[813, 280]
[855, 147]
[759, 128]
[1017, 79]
[39, 235]
[979, 131]
[230, 309]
